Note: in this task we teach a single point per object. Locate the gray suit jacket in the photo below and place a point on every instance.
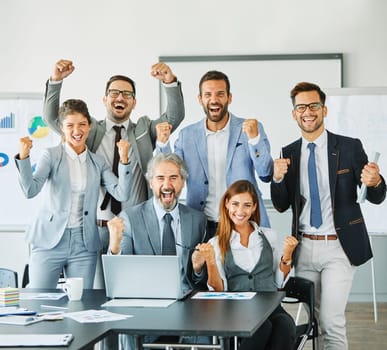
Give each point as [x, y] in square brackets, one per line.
[142, 235]
[53, 171]
[141, 135]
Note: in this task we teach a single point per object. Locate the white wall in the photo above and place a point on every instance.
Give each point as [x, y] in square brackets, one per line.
[127, 37]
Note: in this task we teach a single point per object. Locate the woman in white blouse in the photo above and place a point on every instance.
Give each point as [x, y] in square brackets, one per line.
[242, 256]
[64, 235]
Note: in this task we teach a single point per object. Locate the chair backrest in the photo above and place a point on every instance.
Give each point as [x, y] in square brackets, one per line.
[301, 290]
[8, 278]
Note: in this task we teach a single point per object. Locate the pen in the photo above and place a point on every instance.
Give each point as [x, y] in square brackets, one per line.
[54, 307]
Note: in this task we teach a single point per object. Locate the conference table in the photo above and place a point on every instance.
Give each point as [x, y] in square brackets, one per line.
[207, 317]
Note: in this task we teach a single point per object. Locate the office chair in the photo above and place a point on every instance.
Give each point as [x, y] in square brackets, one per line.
[8, 278]
[301, 290]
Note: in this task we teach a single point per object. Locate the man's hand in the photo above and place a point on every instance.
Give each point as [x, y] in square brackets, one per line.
[163, 72]
[62, 69]
[25, 145]
[116, 228]
[123, 150]
[280, 168]
[163, 131]
[370, 175]
[250, 128]
[290, 243]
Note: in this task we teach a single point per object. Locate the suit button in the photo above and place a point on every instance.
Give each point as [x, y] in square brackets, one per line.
[201, 203]
[206, 182]
[86, 212]
[250, 277]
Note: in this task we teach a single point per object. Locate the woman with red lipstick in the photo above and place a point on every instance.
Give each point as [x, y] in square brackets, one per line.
[64, 235]
[242, 256]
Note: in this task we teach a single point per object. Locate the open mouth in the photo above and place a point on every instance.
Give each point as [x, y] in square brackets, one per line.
[119, 106]
[214, 109]
[167, 194]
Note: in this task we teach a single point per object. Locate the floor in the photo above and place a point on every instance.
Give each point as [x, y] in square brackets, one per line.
[363, 333]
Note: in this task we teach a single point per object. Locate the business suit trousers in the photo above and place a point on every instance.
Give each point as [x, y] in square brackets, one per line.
[325, 263]
[69, 255]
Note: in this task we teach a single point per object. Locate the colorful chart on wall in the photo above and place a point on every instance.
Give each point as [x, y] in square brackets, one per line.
[20, 116]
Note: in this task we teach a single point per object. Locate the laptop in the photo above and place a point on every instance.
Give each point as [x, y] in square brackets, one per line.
[143, 276]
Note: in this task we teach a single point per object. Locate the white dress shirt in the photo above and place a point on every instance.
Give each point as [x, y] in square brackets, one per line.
[78, 177]
[247, 257]
[321, 154]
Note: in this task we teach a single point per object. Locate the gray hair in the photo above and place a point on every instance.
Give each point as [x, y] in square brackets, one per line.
[166, 157]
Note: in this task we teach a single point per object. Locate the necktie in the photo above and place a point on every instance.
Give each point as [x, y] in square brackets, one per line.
[315, 206]
[115, 205]
[168, 244]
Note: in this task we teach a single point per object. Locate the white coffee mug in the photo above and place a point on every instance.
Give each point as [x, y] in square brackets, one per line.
[73, 287]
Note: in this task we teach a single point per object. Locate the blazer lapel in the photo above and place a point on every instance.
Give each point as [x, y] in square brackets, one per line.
[201, 146]
[235, 132]
[152, 227]
[186, 226]
[333, 162]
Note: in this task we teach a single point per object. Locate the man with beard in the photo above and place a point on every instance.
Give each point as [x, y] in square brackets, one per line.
[140, 229]
[221, 149]
[120, 100]
[318, 177]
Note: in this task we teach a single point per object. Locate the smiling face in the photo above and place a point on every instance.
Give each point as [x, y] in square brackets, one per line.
[215, 100]
[240, 208]
[119, 108]
[310, 122]
[166, 184]
[75, 128]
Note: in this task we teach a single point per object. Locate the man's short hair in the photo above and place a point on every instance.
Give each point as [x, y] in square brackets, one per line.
[304, 87]
[167, 157]
[120, 77]
[215, 75]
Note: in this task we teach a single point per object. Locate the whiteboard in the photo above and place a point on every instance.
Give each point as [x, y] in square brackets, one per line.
[362, 113]
[16, 114]
[260, 87]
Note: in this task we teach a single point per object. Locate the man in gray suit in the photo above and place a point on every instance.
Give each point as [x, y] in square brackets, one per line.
[140, 229]
[120, 100]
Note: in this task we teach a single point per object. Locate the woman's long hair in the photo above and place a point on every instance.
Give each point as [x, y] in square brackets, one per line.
[226, 225]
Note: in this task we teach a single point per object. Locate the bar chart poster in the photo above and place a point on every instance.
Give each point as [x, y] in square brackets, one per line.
[20, 116]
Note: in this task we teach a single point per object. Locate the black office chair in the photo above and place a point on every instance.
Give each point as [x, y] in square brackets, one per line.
[8, 278]
[301, 290]
[26, 276]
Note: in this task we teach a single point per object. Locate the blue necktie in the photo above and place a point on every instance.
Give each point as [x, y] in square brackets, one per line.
[315, 206]
[169, 243]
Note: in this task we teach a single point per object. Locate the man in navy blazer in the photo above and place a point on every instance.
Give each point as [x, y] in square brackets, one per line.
[221, 149]
[331, 247]
[139, 229]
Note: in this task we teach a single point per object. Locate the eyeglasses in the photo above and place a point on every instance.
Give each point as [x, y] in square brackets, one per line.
[185, 247]
[125, 93]
[314, 106]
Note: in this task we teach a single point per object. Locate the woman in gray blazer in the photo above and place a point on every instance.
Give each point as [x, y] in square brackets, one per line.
[64, 235]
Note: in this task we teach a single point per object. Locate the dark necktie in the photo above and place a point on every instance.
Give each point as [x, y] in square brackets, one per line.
[115, 205]
[315, 206]
[168, 244]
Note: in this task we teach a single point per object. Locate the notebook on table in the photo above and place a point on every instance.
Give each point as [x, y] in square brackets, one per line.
[143, 276]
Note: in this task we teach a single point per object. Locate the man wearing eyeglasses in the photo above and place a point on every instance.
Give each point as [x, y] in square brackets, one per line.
[318, 176]
[120, 100]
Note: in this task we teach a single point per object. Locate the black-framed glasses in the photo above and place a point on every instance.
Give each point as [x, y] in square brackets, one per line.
[185, 247]
[314, 106]
[114, 93]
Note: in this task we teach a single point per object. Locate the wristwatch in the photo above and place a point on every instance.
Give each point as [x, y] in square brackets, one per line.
[287, 263]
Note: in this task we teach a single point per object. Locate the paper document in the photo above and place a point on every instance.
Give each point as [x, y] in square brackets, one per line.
[19, 320]
[17, 340]
[224, 295]
[15, 310]
[139, 303]
[363, 190]
[41, 296]
[95, 316]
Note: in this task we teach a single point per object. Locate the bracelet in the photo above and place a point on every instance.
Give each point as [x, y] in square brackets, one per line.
[287, 263]
[378, 184]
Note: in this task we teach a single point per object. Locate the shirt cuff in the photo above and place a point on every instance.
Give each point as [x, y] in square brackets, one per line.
[173, 84]
[254, 141]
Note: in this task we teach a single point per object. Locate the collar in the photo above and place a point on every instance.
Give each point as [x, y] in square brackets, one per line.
[320, 142]
[73, 155]
[225, 129]
[110, 124]
[160, 212]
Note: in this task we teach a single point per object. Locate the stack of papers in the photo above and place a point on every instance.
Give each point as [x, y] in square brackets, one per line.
[9, 296]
